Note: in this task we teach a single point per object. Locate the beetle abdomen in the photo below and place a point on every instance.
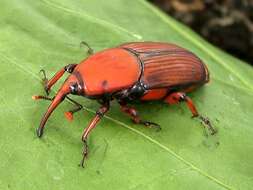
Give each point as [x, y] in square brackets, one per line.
[168, 65]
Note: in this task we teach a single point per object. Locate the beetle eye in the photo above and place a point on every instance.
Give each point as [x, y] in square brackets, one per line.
[74, 88]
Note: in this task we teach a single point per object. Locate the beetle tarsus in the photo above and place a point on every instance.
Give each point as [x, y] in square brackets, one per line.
[151, 125]
[69, 115]
[195, 116]
[84, 153]
[206, 122]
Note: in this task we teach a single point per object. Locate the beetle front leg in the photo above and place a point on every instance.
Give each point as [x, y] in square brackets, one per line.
[177, 97]
[38, 97]
[135, 117]
[49, 83]
[99, 114]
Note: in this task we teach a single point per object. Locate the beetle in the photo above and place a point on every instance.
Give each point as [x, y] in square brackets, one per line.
[144, 71]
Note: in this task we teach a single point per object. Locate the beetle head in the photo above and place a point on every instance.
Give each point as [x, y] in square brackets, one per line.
[71, 86]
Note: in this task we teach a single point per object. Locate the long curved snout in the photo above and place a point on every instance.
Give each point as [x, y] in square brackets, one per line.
[61, 94]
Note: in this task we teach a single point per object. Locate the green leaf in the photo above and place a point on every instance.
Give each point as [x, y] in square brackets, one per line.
[46, 34]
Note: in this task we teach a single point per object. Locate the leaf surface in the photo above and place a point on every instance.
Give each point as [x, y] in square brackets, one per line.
[46, 34]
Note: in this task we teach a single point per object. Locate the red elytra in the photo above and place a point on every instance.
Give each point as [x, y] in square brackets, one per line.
[133, 71]
[108, 71]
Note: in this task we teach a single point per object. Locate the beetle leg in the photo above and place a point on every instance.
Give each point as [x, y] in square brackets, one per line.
[99, 114]
[135, 117]
[69, 114]
[206, 122]
[38, 97]
[177, 97]
[49, 83]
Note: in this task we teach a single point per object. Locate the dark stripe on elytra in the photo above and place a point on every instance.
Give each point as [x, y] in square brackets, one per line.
[174, 71]
[174, 81]
[177, 66]
[170, 56]
[174, 86]
[173, 65]
[79, 78]
[167, 58]
[155, 79]
[169, 52]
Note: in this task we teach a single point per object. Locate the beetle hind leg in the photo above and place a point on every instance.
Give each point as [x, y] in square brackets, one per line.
[135, 117]
[177, 97]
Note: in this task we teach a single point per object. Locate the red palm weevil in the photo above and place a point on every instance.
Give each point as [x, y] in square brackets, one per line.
[144, 71]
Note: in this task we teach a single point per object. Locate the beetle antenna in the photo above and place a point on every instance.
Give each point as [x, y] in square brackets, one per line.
[90, 50]
[43, 73]
[38, 97]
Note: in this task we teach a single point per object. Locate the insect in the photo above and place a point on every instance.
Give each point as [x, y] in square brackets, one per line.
[144, 71]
